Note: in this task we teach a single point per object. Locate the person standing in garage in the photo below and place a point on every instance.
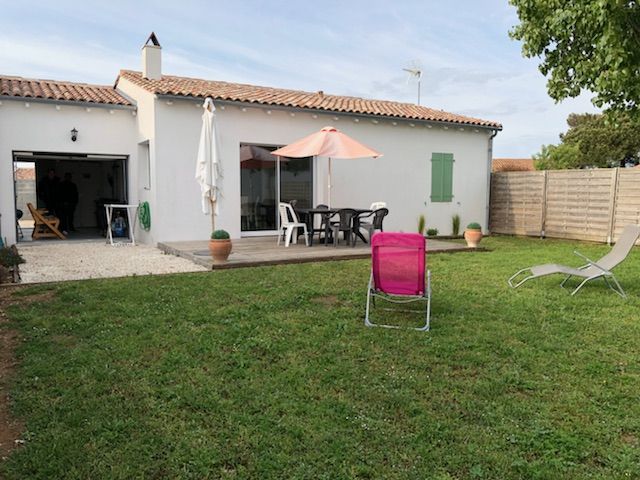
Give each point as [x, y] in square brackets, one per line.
[48, 191]
[68, 198]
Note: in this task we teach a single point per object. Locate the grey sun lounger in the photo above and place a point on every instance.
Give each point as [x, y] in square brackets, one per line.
[591, 270]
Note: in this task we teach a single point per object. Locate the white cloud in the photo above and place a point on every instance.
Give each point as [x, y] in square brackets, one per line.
[354, 48]
[55, 58]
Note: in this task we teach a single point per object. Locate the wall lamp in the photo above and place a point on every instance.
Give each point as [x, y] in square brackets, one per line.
[74, 135]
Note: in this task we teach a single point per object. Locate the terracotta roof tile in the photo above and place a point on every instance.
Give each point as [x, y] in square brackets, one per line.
[512, 165]
[55, 90]
[236, 92]
[25, 174]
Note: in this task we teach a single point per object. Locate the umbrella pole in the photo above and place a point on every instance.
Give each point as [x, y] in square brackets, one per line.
[213, 214]
[329, 199]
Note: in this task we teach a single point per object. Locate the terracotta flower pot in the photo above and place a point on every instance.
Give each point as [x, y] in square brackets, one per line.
[220, 249]
[473, 237]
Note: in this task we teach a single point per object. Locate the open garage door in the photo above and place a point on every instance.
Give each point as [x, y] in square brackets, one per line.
[74, 187]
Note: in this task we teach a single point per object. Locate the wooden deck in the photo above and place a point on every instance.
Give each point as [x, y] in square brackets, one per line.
[255, 251]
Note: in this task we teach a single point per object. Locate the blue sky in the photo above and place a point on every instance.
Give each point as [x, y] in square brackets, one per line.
[342, 47]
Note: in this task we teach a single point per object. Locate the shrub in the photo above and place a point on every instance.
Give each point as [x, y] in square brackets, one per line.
[5, 275]
[474, 226]
[9, 257]
[422, 223]
[455, 225]
[220, 235]
[432, 232]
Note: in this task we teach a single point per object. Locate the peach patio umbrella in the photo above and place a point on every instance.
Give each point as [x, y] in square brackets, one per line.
[328, 142]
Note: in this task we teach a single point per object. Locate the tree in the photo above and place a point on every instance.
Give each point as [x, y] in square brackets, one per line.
[557, 157]
[603, 142]
[593, 141]
[591, 45]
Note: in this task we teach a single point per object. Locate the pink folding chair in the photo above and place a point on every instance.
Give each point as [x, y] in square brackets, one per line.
[398, 273]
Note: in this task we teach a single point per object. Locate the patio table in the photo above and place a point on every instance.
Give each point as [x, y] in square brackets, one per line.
[310, 213]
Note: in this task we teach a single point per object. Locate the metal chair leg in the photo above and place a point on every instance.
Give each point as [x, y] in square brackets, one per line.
[427, 298]
[513, 277]
[619, 289]
[427, 326]
[565, 280]
[366, 313]
[581, 285]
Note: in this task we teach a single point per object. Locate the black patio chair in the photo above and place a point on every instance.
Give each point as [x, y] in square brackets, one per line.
[344, 224]
[19, 215]
[373, 225]
[324, 219]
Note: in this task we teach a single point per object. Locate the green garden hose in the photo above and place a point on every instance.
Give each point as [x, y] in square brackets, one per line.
[144, 215]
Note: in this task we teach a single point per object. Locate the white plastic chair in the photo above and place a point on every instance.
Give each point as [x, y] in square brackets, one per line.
[377, 205]
[289, 223]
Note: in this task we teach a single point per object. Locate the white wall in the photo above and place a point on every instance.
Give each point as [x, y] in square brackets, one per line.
[142, 171]
[172, 128]
[42, 127]
[401, 177]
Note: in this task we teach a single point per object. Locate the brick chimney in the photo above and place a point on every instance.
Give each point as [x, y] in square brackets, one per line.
[152, 58]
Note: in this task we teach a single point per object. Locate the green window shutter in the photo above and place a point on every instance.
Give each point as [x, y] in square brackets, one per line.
[436, 177]
[441, 177]
[447, 178]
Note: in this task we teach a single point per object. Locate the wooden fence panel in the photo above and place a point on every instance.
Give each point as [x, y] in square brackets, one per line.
[517, 202]
[627, 205]
[574, 204]
[578, 204]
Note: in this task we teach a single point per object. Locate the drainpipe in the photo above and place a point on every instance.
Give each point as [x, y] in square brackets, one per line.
[489, 162]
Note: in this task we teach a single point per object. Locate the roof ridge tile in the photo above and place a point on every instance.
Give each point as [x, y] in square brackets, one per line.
[242, 92]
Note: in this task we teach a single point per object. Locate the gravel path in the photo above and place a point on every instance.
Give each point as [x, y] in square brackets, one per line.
[55, 261]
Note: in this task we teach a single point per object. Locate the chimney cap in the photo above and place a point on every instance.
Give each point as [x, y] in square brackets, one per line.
[153, 39]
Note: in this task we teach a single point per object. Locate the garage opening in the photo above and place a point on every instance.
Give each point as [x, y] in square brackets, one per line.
[70, 187]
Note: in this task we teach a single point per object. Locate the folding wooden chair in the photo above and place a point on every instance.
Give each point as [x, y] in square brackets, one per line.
[44, 226]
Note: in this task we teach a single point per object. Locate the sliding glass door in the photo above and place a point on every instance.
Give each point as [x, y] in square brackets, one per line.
[265, 180]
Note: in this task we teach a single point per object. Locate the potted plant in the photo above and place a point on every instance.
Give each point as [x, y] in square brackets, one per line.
[473, 234]
[432, 232]
[220, 245]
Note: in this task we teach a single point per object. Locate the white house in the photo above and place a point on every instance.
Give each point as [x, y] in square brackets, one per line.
[137, 141]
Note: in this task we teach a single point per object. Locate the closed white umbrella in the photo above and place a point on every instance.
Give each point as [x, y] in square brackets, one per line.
[208, 166]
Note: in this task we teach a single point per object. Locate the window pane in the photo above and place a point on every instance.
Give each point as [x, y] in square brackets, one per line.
[296, 185]
[257, 188]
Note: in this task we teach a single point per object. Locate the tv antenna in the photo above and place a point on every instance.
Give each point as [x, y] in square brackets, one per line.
[416, 72]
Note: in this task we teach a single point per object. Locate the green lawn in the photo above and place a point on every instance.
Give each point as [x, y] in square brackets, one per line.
[269, 373]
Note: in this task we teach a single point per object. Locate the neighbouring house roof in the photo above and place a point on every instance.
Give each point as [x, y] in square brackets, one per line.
[238, 92]
[512, 165]
[25, 174]
[59, 90]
